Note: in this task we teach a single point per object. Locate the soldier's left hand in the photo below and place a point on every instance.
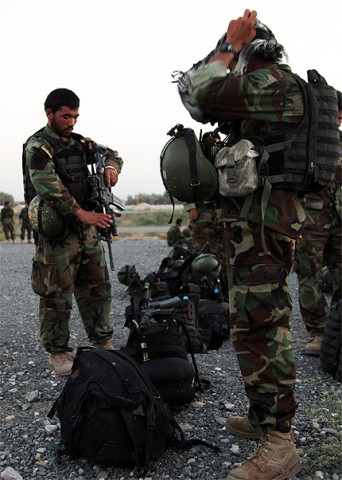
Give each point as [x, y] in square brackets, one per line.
[111, 176]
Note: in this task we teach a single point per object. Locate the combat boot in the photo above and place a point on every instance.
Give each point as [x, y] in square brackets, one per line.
[313, 347]
[60, 363]
[106, 345]
[241, 427]
[276, 458]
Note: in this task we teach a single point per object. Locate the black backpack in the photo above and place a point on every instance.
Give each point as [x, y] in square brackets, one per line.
[111, 414]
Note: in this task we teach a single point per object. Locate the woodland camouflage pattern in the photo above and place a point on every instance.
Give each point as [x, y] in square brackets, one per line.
[25, 224]
[175, 236]
[267, 101]
[74, 265]
[319, 245]
[7, 221]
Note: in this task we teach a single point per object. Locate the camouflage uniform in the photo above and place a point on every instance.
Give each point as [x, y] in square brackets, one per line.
[175, 237]
[7, 220]
[268, 101]
[75, 265]
[25, 224]
[208, 235]
[319, 245]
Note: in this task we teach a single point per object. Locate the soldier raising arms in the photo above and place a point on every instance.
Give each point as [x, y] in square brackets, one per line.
[265, 102]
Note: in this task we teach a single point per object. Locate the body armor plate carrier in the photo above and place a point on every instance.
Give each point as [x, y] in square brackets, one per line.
[306, 159]
[70, 165]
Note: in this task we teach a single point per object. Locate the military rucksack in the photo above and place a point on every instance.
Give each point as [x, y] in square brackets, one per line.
[111, 414]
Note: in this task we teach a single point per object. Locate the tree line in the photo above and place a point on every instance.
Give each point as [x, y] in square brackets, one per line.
[150, 198]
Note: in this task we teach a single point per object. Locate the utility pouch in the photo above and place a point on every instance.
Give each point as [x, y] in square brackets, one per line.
[237, 169]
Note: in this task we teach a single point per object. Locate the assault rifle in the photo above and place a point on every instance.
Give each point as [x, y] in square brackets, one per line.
[151, 309]
[102, 200]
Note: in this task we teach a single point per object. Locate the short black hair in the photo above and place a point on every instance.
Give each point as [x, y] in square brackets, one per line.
[178, 221]
[61, 97]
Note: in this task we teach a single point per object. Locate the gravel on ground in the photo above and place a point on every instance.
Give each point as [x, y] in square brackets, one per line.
[29, 440]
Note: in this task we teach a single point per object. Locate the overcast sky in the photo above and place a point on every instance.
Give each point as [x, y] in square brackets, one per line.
[118, 56]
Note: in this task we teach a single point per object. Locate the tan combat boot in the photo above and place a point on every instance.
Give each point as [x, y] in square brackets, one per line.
[60, 363]
[241, 427]
[276, 458]
[107, 345]
[313, 347]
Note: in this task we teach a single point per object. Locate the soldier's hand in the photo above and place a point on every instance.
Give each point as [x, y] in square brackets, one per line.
[102, 220]
[241, 31]
[112, 176]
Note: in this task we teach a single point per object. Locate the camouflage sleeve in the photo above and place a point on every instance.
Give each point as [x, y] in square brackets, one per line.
[113, 159]
[43, 175]
[265, 95]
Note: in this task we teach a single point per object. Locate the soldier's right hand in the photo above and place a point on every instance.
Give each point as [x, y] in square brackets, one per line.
[241, 31]
[102, 220]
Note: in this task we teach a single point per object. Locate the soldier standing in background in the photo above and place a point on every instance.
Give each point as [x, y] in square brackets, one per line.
[175, 236]
[320, 244]
[25, 225]
[7, 221]
[265, 100]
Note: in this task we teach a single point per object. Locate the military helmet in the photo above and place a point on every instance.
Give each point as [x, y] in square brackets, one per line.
[206, 264]
[45, 220]
[186, 173]
[126, 274]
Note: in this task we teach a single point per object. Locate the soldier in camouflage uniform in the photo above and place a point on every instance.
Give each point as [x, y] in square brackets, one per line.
[175, 236]
[320, 244]
[7, 221]
[75, 262]
[264, 96]
[25, 225]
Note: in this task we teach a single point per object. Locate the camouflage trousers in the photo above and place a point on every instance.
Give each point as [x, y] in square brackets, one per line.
[260, 306]
[9, 231]
[76, 266]
[209, 235]
[313, 251]
[25, 227]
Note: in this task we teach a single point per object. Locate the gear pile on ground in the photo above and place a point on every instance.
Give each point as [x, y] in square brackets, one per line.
[29, 441]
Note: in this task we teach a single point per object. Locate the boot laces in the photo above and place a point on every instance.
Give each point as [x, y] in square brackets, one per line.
[262, 447]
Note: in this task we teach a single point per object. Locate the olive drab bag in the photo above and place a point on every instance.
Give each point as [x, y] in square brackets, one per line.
[186, 173]
[112, 415]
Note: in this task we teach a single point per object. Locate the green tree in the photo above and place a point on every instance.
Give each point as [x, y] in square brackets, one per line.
[5, 197]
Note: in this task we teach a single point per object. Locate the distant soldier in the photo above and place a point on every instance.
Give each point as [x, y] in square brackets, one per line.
[25, 225]
[320, 244]
[174, 235]
[7, 221]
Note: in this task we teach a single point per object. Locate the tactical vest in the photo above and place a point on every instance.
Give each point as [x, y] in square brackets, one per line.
[70, 165]
[306, 158]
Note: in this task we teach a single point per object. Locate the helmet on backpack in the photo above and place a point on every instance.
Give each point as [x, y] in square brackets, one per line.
[206, 264]
[45, 220]
[126, 274]
[186, 173]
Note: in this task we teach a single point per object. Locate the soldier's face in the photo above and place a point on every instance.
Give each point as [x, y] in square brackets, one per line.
[63, 121]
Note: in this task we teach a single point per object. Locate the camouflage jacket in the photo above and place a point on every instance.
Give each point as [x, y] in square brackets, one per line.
[175, 236]
[7, 215]
[24, 216]
[45, 179]
[267, 102]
